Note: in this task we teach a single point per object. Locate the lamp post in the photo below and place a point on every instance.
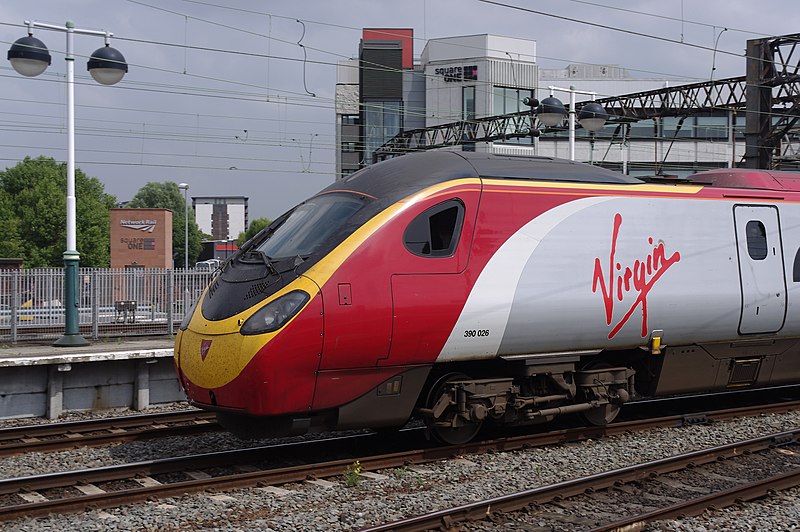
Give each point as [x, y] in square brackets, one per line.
[592, 116]
[185, 188]
[30, 57]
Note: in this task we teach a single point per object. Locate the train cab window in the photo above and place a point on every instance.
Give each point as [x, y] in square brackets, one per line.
[310, 225]
[435, 232]
[756, 240]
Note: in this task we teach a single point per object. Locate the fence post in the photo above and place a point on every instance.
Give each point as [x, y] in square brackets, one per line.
[170, 301]
[152, 288]
[14, 304]
[94, 295]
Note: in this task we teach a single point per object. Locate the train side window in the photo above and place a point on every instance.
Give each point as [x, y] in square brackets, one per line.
[756, 240]
[796, 269]
[435, 232]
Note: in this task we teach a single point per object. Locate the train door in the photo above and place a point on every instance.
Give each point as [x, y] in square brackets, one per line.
[763, 281]
[428, 285]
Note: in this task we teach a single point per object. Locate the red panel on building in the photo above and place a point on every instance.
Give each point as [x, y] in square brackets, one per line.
[405, 36]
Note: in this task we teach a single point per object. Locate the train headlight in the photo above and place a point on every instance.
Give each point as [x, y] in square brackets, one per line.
[274, 315]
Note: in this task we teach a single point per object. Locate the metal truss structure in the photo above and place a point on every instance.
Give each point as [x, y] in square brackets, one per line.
[769, 95]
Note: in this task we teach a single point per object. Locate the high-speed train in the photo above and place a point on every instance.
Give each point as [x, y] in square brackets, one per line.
[465, 288]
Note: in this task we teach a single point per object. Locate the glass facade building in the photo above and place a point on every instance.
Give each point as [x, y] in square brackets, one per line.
[386, 91]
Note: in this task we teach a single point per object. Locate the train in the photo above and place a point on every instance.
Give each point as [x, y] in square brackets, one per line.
[469, 290]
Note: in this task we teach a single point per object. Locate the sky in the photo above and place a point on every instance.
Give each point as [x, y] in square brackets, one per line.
[237, 98]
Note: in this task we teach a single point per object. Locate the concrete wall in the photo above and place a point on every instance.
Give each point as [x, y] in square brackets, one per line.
[48, 389]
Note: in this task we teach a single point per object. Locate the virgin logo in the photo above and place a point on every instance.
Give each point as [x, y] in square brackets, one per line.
[205, 345]
[621, 283]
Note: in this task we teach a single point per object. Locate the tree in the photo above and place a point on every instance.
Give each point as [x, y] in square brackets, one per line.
[34, 221]
[12, 244]
[167, 195]
[255, 226]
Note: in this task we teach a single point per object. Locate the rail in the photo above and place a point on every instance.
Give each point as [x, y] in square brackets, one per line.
[69, 435]
[451, 518]
[326, 461]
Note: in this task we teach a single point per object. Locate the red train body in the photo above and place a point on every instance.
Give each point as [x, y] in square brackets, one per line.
[466, 289]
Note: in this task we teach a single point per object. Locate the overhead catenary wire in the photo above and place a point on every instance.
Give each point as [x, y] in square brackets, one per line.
[198, 2]
[408, 111]
[154, 7]
[663, 17]
[605, 26]
[288, 18]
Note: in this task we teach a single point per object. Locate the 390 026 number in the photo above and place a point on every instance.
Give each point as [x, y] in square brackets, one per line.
[472, 333]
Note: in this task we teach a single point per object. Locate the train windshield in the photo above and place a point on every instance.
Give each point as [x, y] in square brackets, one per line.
[310, 225]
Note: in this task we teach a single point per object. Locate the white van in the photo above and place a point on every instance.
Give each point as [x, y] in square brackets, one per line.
[208, 265]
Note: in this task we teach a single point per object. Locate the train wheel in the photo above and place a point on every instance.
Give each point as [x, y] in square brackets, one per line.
[602, 415]
[443, 431]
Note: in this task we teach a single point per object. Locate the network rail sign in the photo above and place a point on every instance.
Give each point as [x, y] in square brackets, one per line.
[141, 238]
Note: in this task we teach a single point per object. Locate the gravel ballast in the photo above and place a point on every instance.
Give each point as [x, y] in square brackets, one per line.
[402, 492]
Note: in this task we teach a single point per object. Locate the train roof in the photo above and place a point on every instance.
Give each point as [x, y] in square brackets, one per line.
[747, 178]
[401, 176]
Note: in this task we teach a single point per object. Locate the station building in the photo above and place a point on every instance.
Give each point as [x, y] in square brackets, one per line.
[222, 217]
[387, 89]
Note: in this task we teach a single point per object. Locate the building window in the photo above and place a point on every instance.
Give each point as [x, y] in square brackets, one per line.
[349, 120]
[468, 103]
[468, 114]
[382, 121]
[435, 232]
[712, 128]
[508, 100]
[669, 127]
[643, 130]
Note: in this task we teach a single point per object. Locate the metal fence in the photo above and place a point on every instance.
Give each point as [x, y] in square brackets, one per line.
[118, 302]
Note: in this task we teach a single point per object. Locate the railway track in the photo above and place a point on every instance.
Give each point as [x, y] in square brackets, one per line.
[276, 464]
[59, 436]
[714, 471]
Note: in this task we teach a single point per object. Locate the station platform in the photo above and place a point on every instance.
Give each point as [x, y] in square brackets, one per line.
[45, 381]
[114, 349]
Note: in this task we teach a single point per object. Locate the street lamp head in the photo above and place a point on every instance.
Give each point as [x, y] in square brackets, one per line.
[107, 65]
[551, 111]
[183, 186]
[29, 56]
[592, 116]
[533, 103]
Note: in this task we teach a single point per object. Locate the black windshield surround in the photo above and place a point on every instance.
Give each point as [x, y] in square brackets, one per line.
[281, 252]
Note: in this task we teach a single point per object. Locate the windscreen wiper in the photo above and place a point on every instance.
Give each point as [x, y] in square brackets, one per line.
[268, 261]
[255, 257]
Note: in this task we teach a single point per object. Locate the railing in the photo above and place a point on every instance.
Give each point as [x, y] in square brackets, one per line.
[119, 302]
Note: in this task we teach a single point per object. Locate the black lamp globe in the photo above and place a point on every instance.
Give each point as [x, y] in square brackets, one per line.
[551, 111]
[592, 116]
[29, 56]
[107, 65]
